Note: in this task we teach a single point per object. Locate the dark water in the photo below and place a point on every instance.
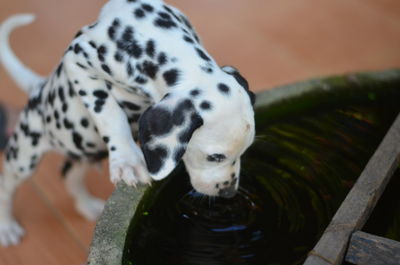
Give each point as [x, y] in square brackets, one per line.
[293, 179]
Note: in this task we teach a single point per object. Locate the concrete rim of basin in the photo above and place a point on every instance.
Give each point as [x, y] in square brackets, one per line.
[108, 242]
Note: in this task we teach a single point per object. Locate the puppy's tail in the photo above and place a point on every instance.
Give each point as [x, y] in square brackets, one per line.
[22, 75]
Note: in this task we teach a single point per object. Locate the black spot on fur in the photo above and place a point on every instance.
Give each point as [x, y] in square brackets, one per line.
[71, 90]
[34, 102]
[169, 10]
[106, 139]
[111, 33]
[141, 80]
[82, 92]
[67, 124]
[203, 55]
[99, 105]
[129, 69]
[78, 34]
[77, 139]
[59, 69]
[51, 97]
[165, 23]
[164, 15]
[85, 122]
[223, 88]
[150, 48]
[205, 105]
[93, 44]
[147, 7]
[139, 13]
[187, 23]
[77, 48]
[188, 39]
[112, 30]
[101, 52]
[208, 70]
[64, 107]
[100, 94]
[171, 77]
[56, 115]
[108, 85]
[150, 69]
[118, 57]
[129, 44]
[195, 92]
[35, 138]
[61, 95]
[90, 145]
[93, 25]
[81, 66]
[162, 58]
[106, 69]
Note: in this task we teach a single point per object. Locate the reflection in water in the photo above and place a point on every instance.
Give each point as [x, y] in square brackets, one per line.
[293, 179]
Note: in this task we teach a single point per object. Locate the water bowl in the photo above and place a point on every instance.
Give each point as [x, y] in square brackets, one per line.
[313, 140]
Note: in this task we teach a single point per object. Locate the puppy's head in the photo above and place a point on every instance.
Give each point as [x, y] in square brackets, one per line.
[209, 128]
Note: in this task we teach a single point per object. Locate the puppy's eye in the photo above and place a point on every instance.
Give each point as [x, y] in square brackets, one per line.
[216, 158]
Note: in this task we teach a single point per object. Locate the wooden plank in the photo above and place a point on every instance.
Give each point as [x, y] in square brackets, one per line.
[46, 241]
[48, 178]
[372, 250]
[360, 201]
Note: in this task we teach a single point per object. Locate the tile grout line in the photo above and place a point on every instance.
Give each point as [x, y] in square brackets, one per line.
[58, 215]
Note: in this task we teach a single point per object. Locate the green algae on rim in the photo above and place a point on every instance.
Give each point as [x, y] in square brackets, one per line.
[109, 238]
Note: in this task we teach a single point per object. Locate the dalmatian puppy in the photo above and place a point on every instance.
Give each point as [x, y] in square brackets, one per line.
[138, 73]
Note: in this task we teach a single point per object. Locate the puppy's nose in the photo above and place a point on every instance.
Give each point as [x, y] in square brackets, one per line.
[228, 192]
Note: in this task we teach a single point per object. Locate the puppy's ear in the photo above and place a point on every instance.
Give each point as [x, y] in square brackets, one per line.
[165, 130]
[241, 80]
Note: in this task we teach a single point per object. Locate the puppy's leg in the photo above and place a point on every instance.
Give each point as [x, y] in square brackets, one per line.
[86, 204]
[125, 157]
[23, 152]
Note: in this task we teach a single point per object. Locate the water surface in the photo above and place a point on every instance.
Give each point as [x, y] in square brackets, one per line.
[293, 179]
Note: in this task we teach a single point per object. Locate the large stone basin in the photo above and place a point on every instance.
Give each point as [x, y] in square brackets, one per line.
[111, 230]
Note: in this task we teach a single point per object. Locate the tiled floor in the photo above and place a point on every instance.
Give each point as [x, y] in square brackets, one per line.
[272, 42]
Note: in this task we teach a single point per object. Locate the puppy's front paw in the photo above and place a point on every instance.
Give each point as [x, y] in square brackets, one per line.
[131, 171]
[10, 233]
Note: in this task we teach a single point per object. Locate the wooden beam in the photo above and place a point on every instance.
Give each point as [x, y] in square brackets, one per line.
[372, 250]
[359, 203]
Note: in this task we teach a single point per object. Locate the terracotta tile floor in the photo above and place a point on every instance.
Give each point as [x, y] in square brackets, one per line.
[272, 42]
